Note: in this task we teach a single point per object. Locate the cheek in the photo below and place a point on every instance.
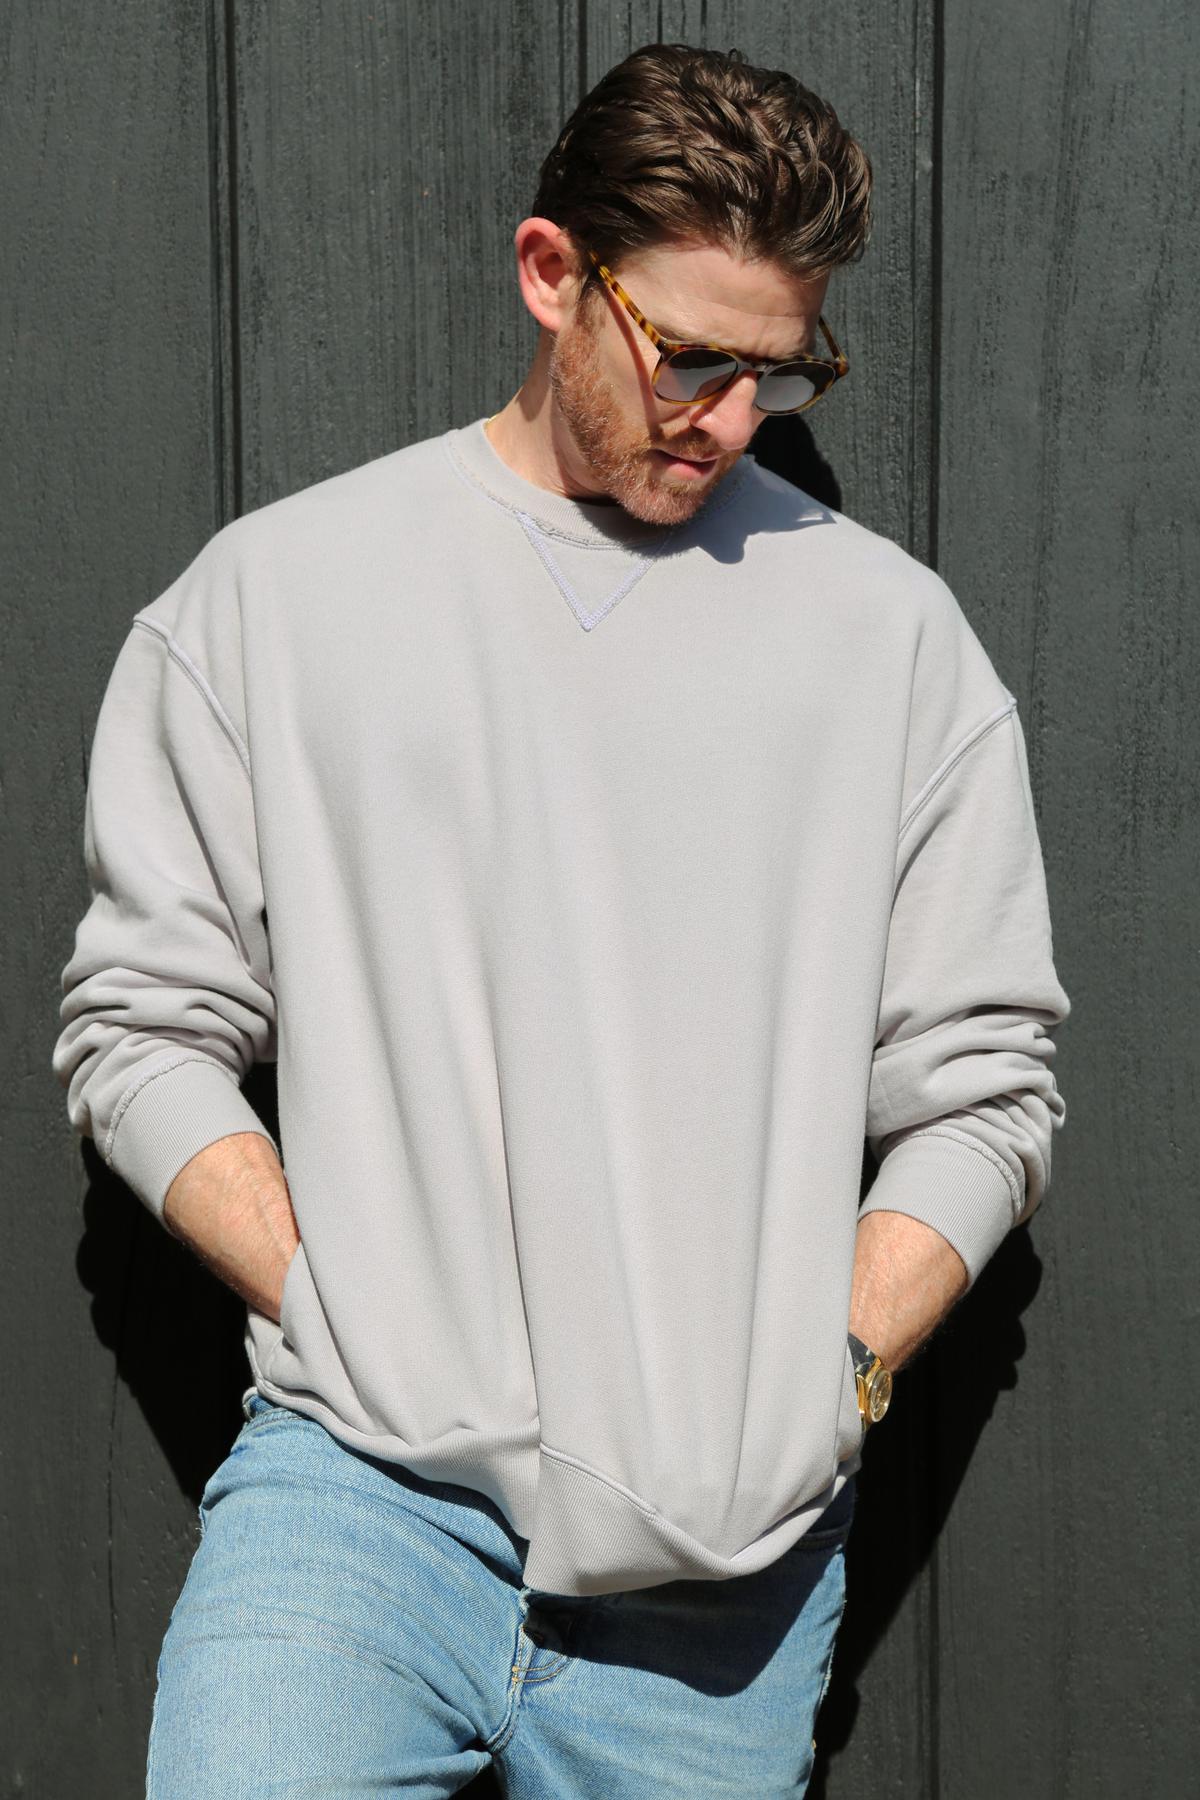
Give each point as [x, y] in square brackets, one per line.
[622, 376]
[626, 365]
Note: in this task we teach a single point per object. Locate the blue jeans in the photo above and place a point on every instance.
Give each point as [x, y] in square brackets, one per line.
[349, 1628]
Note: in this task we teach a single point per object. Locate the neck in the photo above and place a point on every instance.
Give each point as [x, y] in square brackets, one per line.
[531, 437]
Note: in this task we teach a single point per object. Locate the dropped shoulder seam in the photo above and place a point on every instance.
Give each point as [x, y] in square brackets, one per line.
[201, 683]
[973, 737]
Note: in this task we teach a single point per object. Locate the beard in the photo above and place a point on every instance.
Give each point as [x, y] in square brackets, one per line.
[619, 457]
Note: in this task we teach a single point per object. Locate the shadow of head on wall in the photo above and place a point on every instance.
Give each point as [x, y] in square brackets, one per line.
[175, 1330]
[914, 1465]
[786, 446]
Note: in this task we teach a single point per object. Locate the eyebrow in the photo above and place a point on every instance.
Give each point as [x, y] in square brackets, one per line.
[683, 337]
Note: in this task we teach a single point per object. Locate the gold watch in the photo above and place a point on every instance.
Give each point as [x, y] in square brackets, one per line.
[873, 1380]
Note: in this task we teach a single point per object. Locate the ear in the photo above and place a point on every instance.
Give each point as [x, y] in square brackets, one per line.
[547, 262]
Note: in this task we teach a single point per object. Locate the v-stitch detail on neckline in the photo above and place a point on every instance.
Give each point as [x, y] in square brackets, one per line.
[587, 617]
[541, 532]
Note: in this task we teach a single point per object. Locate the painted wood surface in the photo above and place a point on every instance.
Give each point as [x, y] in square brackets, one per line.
[1067, 483]
[249, 246]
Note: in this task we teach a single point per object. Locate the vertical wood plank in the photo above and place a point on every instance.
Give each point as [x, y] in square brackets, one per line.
[111, 426]
[386, 156]
[1070, 445]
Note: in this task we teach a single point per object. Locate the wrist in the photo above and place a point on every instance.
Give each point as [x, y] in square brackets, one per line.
[873, 1380]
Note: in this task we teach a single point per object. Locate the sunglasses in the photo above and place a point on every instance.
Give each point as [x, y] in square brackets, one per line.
[685, 373]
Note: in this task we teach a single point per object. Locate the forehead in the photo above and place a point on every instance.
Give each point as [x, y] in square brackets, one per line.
[703, 292]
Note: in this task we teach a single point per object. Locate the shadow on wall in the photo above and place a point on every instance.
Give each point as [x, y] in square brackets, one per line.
[912, 1471]
[786, 447]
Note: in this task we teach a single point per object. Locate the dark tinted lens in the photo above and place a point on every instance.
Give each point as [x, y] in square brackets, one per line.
[792, 385]
[693, 374]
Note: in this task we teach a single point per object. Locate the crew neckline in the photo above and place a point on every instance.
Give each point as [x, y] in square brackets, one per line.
[601, 524]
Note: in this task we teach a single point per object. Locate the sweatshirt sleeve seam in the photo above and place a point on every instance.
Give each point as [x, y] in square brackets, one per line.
[965, 744]
[203, 686]
[984, 1150]
[135, 1087]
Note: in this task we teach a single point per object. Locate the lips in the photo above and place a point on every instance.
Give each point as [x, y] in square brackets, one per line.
[700, 461]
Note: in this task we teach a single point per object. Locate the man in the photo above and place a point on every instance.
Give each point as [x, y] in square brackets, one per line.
[602, 836]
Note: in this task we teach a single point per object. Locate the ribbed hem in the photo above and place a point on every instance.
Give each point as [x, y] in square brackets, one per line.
[946, 1183]
[170, 1118]
[590, 1536]
[598, 523]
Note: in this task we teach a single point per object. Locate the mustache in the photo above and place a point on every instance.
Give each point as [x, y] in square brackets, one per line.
[696, 453]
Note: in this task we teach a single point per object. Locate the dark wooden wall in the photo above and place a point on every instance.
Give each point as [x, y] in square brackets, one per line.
[246, 246]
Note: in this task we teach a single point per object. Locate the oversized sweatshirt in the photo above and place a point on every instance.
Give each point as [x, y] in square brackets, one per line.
[597, 889]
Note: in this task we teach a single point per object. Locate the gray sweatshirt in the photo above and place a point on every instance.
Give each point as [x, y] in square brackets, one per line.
[596, 889]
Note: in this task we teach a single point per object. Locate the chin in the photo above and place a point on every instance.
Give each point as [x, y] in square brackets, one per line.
[656, 501]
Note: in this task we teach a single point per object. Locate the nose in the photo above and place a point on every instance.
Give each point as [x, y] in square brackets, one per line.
[730, 417]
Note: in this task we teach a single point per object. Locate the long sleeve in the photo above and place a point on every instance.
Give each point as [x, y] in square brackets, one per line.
[167, 998]
[963, 1104]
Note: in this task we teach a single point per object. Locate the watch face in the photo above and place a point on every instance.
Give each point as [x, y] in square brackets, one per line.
[879, 1394]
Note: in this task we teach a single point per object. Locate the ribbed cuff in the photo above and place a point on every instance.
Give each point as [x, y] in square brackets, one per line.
[171, 1117]
[948, 1184]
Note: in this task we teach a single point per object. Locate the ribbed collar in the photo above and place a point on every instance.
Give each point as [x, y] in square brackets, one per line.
[594, 522]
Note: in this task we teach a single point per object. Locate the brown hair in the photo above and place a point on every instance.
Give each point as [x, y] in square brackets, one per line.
[679, 145]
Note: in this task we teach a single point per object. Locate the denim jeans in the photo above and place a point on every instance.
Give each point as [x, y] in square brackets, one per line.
[348, 1628]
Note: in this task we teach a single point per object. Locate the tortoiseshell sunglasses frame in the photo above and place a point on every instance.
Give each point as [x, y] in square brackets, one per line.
[668, 346]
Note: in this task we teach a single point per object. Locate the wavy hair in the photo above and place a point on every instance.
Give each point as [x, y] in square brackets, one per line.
[682, 145]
